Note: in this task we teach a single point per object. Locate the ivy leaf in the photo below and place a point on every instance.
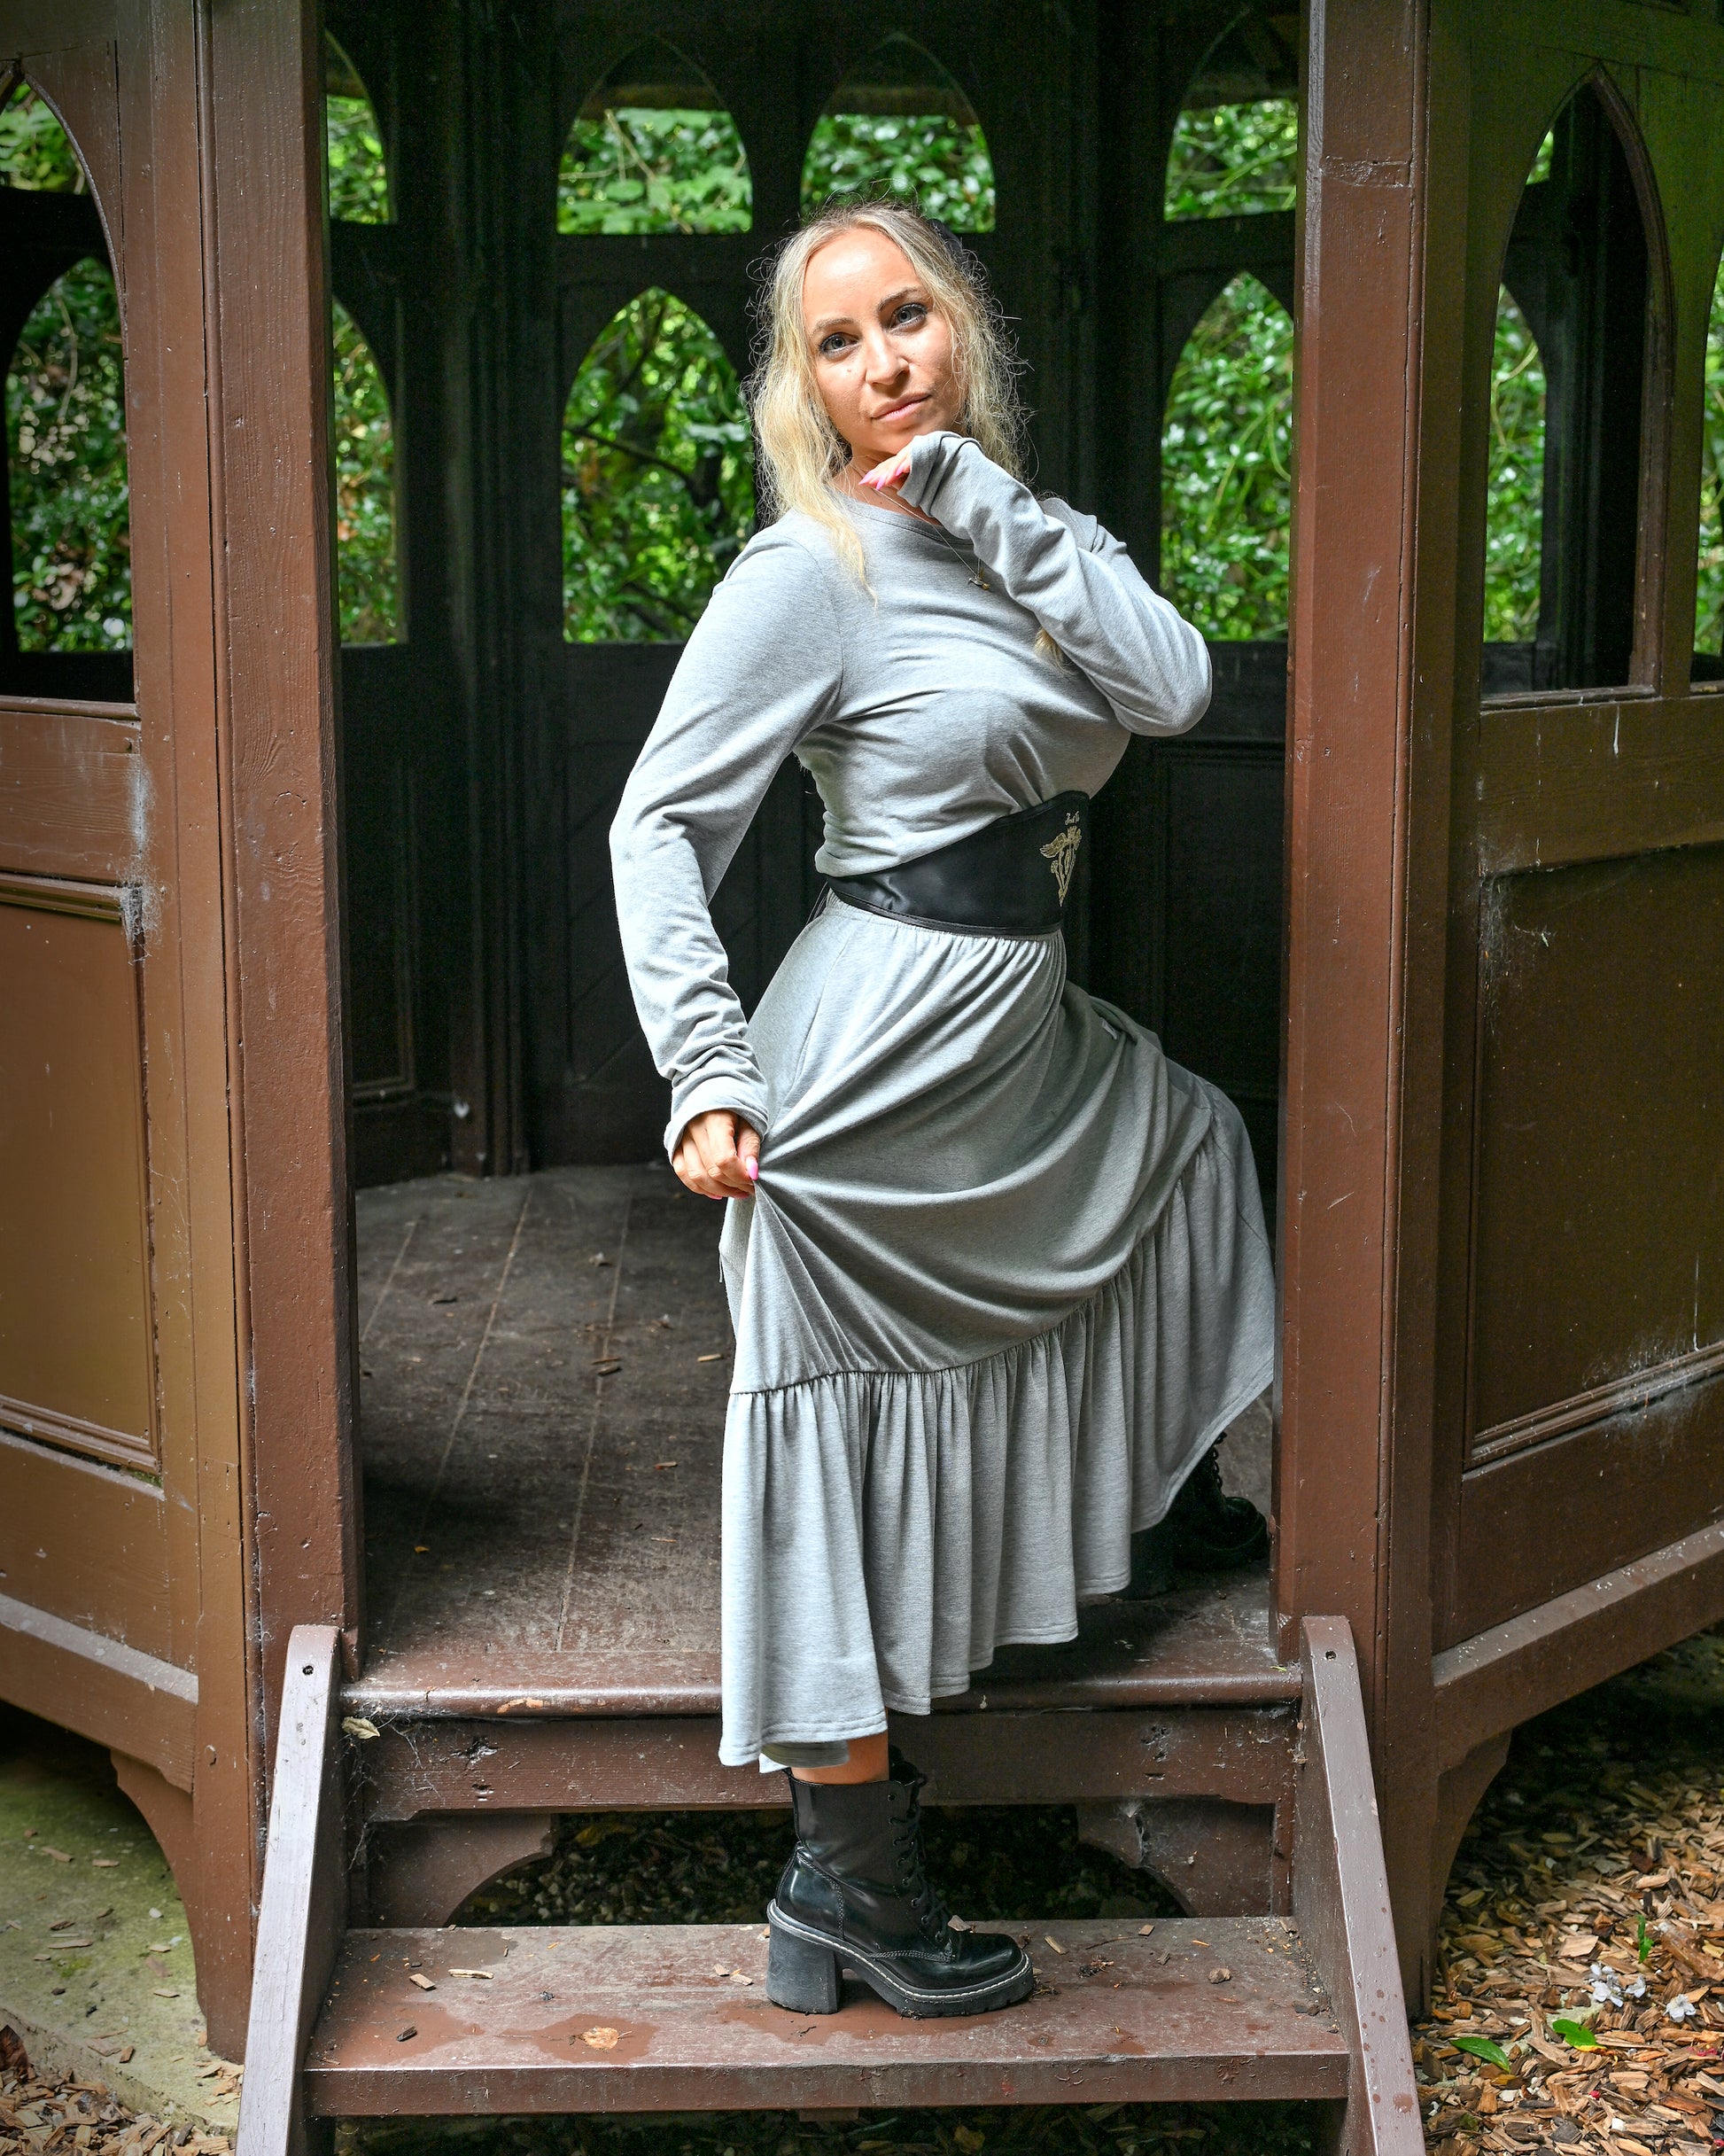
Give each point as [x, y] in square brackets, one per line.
[1486, 2048]
[1575, 2033]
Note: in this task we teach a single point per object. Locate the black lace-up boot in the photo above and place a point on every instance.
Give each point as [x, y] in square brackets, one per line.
[1205, 1530]
[854, 1895]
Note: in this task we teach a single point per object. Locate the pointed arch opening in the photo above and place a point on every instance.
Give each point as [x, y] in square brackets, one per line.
[67, 494]
[1514, 536]
[653, 148]
[368, 568]
[1226, 467]
[901, 125]
[1235, 148]
[354, 158]
[1709, 583]
[657, 476]
[36, 152]
[1566, 455]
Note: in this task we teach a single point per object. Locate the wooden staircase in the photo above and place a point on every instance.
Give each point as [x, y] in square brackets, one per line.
[1300, 1998]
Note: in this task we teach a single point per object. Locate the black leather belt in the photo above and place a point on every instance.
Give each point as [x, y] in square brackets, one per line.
[1010, 878]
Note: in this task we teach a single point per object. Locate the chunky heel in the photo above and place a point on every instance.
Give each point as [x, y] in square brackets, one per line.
[800, 1976]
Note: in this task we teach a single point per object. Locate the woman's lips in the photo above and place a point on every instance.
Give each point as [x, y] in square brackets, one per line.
[898, 411]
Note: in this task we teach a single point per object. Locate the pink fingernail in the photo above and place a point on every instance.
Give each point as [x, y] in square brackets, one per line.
[752, 1168]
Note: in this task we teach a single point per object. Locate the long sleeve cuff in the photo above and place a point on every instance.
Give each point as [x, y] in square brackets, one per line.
[717, 1089]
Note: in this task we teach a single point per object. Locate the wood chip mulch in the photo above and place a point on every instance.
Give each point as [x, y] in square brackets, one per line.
[1583, 1935]
[40, 2112]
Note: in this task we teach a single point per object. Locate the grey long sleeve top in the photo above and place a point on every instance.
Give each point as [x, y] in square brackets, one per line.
[920, 704]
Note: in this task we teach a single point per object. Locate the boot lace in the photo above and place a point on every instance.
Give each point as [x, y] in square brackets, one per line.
[911, 1880]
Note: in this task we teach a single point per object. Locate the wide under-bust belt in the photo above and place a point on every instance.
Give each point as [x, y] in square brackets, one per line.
[1010, 878]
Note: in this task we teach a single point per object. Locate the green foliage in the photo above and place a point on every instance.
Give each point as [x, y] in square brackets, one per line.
[1226, 490]
[657, 476]
[358, 177]
[34, 151]
[1230, 159]
[927, 157]
[1709, 597]
[65, 427]
[368, 583]
[66, 431]
[642, 170]
[1514, 513]
[1486, 2048]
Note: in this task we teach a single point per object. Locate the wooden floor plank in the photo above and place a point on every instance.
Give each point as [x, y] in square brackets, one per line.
[652, 2018]
[542, 1436]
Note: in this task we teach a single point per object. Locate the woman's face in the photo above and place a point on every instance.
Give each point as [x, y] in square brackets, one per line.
[882, 354]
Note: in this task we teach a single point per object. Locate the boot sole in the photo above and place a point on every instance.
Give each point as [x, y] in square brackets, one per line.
[804, 1968]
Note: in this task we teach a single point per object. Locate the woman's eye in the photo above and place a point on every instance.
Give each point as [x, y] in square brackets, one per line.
[829, 347]
[912, 311]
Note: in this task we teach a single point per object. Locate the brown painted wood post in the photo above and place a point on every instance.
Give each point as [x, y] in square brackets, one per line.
[266, 311]
[1353, 1495]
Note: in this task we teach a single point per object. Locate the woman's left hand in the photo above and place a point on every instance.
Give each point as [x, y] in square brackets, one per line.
[888, 477]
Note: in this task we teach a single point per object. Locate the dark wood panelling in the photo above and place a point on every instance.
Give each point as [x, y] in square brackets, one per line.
[1599, 1232]
[1563, 781]
[72, 791]
[1487, 1684]
[86, 1543]
[77, 1360]
[111, 1693]
[1543, 1520]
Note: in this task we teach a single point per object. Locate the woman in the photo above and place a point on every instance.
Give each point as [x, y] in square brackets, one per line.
[997, 1270]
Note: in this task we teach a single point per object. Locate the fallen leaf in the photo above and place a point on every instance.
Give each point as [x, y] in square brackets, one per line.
[1221, 1976]
[408, 2032]
[1575, 2033]
[600, 2039]
[163, 1992]
[358, 1725]
[1053, 1942]
[1486, 2048]
[960, 1924]
[483, 1974]
[424, 1983]
[1143, 1930]
[106, 1863]
[608, 1367]
[710, 1358]
[58, 1856]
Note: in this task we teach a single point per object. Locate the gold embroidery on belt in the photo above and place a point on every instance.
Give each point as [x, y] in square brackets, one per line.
[1061, 853]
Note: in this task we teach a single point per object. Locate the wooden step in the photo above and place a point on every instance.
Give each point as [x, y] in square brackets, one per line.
[654, 2017]
[337, 2027]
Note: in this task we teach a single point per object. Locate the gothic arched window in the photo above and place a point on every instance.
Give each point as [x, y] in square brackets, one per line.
[1226, 486]
[66, 426]
[653, 150]
[1515, 485]
[1229, 159]
[367, 574]
[900, 125]
[657, 476]
[358, 171]
[1563, 493]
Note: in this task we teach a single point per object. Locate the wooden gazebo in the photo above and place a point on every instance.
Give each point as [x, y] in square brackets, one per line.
[1447, 917]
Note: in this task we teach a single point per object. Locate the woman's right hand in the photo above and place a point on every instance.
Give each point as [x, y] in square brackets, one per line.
[717, 1155]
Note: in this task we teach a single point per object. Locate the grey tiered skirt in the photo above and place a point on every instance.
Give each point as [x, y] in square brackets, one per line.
[1003, 1281]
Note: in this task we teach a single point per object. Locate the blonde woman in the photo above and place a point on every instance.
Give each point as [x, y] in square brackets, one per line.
[998, 1269]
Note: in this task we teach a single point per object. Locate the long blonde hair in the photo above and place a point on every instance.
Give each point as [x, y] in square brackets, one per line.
[799, 453]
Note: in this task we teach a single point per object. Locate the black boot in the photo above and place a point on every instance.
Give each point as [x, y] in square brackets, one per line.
[1205, 1530]
[854, 1896]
